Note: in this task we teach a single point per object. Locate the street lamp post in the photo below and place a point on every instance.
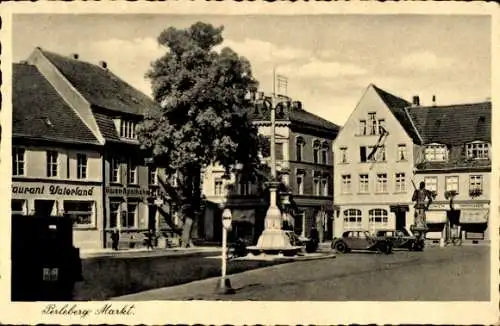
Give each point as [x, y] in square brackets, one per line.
[224, 286]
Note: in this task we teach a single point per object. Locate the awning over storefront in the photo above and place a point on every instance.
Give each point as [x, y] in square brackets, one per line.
[474, 216]
[434, 217]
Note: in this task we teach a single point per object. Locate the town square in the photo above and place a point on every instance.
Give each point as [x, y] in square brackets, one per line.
[213, 158]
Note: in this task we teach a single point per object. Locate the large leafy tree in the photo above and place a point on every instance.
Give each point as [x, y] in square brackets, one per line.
[203, 116]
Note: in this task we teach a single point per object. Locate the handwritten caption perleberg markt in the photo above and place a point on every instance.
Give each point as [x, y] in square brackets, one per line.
[75, 310]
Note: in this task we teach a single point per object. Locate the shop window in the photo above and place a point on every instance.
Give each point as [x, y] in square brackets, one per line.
[81, 212]
[81, 162]
[52, 163]
[352, 218]
[18, 161]
[378, 216]
[114, 213]
[129, 219]
[18, 206]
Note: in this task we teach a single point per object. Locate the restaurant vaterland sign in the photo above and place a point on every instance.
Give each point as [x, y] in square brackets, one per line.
[28, 189]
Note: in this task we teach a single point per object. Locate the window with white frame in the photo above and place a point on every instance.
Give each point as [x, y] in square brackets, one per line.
[81, 212]
[300, 183]
[116, 163]
[325, 148]
[316, 148]
[132, 172]
[114, 213]
[299, 148]
[343, 154]
[381, 185]
[352, 218]
[362, 127]
[451, 183]
[345, 187]
[127, 129]
[402, 152]
[478, 150]
[324, 184]
[363, 183]
[400, 182]
[476, 182]
[18, 161]
[52, 163]
[431, 183]
[436, 153]
[153, 175]
[81, 166]
[218, 187]
[129, 220]
[378, 216]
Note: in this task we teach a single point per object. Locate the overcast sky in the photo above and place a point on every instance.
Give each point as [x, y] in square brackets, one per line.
[328, 59]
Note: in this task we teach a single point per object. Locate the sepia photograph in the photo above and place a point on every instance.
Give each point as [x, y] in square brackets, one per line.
[328, 158]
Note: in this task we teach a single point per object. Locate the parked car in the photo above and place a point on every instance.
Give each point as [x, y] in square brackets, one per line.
[403, 239]
[361, 240]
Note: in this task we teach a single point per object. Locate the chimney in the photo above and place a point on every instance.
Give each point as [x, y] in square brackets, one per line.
[75, 56]
[434, 100]
[103, 64]
[416, 100]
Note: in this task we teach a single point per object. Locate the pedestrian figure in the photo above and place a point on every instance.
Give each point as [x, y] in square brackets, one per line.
[115, 238]
[149, 239]
[419, 197]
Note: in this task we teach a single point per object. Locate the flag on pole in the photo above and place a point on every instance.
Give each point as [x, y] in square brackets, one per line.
[379, 144]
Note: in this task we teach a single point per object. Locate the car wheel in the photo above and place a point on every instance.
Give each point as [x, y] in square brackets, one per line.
[341, 247]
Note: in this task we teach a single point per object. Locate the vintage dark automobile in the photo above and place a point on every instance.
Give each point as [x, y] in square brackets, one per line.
[402, 239]
[361, 240]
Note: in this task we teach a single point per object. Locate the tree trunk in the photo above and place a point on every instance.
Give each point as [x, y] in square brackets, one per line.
[192, 207]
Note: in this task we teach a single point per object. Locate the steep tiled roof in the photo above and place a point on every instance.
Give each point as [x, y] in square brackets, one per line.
[398, 107]
[39, 112]
[106, 126]
[453, 124]
[100, 86]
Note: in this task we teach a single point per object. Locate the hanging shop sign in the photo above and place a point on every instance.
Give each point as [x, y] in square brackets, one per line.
[128, 191]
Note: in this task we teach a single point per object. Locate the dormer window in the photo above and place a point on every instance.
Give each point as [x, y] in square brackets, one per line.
[436, 153]
[478, 150]
[126, 128]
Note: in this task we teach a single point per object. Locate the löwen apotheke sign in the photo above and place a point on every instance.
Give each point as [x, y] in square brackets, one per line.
[127, 191]
[52, 190]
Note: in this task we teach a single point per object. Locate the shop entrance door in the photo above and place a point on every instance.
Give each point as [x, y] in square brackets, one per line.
[400, 219]
[152, 210]
[44, 207]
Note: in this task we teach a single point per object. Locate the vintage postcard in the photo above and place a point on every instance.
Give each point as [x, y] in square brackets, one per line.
[249, 163]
